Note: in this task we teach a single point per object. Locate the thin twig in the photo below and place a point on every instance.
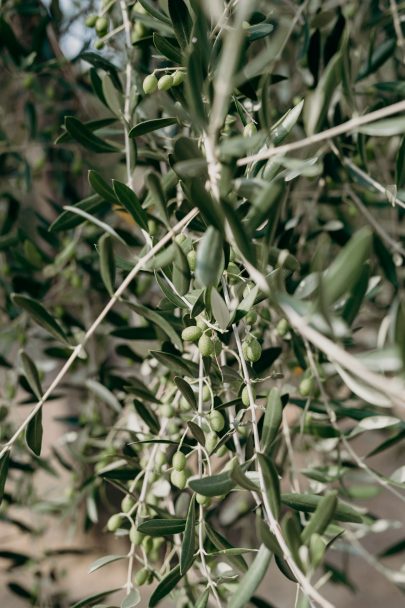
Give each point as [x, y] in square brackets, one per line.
[345, 127]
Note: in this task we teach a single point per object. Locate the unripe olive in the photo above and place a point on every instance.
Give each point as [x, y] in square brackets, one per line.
[114, 522]
[306, 387]
[205, 501]
[127, 503]
[167, 410]
[245, 396]
[251, 349]
[99, 44]
[154, 556]
[141, 577]
[206, 393]
[160, 459]
[150, 84]
[165, 82]
[282, 327]
[181, 237]
[152, 227]
[217, 421]
[90, 20]
[211, 441]
[135, 537]
[205, 346]
[158, 542]
[222, 451]
[191, 334]
[251, 317]
[178, 479]
[192, 259]
[179, 461]
[184, 405]
[101, 26]
[147, 544]
[178, 77]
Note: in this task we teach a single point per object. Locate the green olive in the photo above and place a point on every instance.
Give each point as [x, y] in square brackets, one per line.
[191, 334]
[206, 393]
[99, 44]
[205, 501]
[211, 441]
[150, 84]
[141, 577]
[205, 346]
[251, 349]
[245, 396]
[165, 82]
[115, 522]
[282, 327]
[217, 421]
[101, 26]
[178, 77]
[90, 20]
[135, 537]
[178, 479]
[192, 259]
[307, 387]
[127, 503]
[179, 461]
[222, 451]
[147, 544]
[167, 410]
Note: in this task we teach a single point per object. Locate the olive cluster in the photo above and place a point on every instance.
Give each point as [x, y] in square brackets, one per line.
[151, 83]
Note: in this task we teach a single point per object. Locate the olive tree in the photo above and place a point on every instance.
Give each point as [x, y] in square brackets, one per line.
[219, 303]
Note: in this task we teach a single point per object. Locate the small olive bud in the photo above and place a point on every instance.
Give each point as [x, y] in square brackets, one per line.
[245, 396]
[127, 503]
[152, 227]
[150, 84]
[147, 544]
[249, 130]
[205, 501]
[165, 82]
[101, 26]
[167, 410]
[307, 387]
[178, 77]
[99, 44]
[282, 327]
[179, 461]
[114, 522]
[90, 20]
[251, 349]
[211, 441]
[135, 537]
[141, 577]
[206, 393]
[191, 334]
[178, 479]
[217, 421]
[180, 238]
[205, 346]
[192, 259]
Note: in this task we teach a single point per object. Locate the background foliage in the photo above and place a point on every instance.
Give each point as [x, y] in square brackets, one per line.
[235, 170]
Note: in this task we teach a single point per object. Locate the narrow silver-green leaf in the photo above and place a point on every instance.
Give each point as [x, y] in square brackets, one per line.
[130, 201]
[103, 561]
[272, 418]
[31, 374]
[166, 585]
[219, 309]
[271, 483]
[209, 254]
[33, 433]
[40, 315]
[107, 262]
[321, 517]
[147, 126]
[188, 545]
[4, 464]
[186, 391]
[86, 137]
[249, 583]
